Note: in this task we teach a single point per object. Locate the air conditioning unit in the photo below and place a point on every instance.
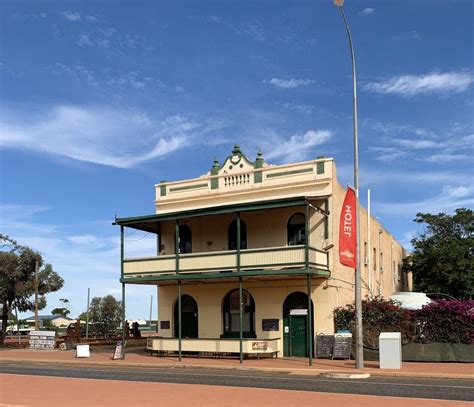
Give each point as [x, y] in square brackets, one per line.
[381, 269]
[366, 261]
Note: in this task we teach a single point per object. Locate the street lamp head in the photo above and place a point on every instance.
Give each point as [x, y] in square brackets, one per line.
[339, 3]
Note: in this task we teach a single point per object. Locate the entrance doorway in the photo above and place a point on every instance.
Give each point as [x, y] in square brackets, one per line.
[189, 318]
[295, 325]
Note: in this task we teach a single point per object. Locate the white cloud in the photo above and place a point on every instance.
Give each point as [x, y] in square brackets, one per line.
[432, 83]
[118, 138]
[450, 198]
[368, 11]
[70, 15]
[414, 144]
[307, 109]
[89, 259]
[298, 147]
[446, 158]
[106, 78]
[288, 83]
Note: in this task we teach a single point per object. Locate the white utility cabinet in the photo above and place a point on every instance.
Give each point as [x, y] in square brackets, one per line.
[390, 347]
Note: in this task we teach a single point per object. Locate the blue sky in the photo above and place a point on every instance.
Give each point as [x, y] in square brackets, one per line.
[100, 100]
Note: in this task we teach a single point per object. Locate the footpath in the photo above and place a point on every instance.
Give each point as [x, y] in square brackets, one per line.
[139, 358]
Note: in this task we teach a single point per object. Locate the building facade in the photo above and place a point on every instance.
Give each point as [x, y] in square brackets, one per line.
[247, 257]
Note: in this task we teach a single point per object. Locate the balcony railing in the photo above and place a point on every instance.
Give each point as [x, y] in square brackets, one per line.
[270, 258]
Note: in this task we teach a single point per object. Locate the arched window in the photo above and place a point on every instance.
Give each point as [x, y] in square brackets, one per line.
[296, 230]
[185, 239]
[232, 235]
[231, 315]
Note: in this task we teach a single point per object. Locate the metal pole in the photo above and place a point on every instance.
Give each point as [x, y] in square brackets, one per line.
[151, 309]
[241, 356]
[310, 323]
[179, 320]
[122, 255]
[36, 295]
[369, 243]
[123, 321]
[358, 296]
[87, 313]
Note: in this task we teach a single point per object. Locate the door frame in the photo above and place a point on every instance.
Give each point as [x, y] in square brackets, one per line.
[298, 303]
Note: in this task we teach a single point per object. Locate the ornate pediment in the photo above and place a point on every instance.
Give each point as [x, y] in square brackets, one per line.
[237, 163]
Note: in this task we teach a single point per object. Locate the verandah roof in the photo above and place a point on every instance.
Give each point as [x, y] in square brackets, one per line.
[149, 223]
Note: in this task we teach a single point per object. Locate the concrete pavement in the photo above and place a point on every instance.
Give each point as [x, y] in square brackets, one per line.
[140, 358]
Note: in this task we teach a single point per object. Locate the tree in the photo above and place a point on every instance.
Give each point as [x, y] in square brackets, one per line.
[18, 281]
[105, 314]
[64, 309]
[443, 255]
[60, 311]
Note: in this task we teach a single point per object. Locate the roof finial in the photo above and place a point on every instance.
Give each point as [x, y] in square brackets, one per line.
[236, 150]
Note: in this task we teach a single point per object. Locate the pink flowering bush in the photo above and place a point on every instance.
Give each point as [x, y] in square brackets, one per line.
[446, 321]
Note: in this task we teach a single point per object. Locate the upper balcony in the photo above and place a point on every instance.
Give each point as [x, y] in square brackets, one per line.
[260, 262]
[239, 180]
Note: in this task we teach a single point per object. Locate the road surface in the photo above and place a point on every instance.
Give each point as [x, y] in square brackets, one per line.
[442, 389]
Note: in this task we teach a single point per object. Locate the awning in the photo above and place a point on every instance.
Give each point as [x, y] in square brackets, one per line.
[150, 223]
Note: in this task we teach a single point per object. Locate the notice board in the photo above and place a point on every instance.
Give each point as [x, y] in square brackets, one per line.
[342, 346]
[118, 354]
[324, 345]
[42, 339]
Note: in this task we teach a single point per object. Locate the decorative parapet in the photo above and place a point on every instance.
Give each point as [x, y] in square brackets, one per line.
[239, 175]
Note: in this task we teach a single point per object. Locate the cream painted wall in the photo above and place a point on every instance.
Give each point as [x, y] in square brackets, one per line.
[264, 229]
[385, 247]
[269, 297]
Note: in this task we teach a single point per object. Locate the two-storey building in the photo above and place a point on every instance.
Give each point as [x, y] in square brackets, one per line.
[247, 257]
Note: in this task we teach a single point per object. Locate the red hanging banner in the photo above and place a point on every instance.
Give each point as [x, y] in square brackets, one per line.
[347, 231]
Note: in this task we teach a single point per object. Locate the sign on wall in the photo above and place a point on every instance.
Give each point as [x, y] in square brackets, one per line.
[298, 312]
[260, 345]
[270, 325]
[164, 324]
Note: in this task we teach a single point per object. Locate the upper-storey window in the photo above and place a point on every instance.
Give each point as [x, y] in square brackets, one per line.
[232, 235]
[296, 229]
[185, 239]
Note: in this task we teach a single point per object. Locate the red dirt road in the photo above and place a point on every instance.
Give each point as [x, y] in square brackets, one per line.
[37, 391]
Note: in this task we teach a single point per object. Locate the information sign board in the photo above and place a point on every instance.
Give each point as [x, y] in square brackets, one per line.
[42, 339]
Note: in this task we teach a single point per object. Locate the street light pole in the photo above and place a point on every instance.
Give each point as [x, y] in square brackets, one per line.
[358, 294]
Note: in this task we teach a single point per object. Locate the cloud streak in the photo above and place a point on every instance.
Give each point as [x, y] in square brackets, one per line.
[288, 83]
[368, 12]
[297, 147]
[117, 138]
[431, 83]
[450, 198]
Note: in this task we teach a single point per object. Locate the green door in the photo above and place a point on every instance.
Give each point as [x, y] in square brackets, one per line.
[189, 325]
[189, 318]
[298, 335]
[294, 335]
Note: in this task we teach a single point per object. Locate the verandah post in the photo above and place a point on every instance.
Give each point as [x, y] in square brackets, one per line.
[309, 327]
[122, 255]
[241, 356]
[179, 320]
[310, 322]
